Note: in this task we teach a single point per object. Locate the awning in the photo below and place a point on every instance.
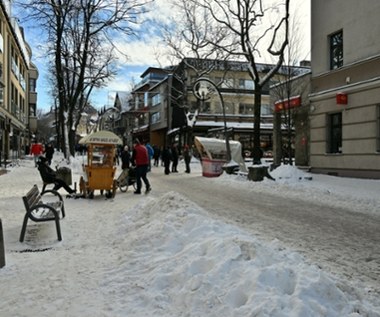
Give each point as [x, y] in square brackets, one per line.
[101, 137]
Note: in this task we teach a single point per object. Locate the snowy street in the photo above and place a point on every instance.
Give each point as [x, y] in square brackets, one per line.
[340, 240]
[197, 246]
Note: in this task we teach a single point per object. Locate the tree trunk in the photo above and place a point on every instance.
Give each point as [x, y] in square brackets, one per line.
[257, 152]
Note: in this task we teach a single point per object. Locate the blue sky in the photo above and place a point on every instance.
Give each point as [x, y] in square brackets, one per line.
[142, 53]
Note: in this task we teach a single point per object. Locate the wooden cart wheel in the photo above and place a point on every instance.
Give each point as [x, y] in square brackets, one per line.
[90, 194]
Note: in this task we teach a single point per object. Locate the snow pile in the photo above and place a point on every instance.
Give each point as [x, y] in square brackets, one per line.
[358, 195]
[179, 262]
[163, 256]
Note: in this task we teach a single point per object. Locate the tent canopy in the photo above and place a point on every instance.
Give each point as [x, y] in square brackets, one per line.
[101, 137]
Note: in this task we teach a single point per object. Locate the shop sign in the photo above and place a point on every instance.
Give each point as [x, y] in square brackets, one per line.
[341, 98]
[292, 102]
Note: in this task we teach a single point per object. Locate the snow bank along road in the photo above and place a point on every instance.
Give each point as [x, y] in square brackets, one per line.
[338, 240]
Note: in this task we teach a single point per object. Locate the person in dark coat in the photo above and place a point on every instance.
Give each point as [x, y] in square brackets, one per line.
[187, 157]
[175, 155]
[48, 175]
[156, 155]
[166, 159]
[125, 158]
[49, 152]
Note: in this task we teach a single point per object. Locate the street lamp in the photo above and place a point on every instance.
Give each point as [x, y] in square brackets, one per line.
[203, 89]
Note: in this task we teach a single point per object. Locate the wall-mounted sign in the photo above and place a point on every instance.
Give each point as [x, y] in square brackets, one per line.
[292, 102]
[341, 98]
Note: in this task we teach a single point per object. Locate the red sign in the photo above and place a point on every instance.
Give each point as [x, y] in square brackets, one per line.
[341, 98]
[292, 102]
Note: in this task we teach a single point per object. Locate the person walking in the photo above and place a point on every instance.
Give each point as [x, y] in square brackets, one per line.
[150, 155]
[166, 159]
[175, 155]
[36, 150]
[187, 157]
[140, 159]
[49, 152]
[156, 155]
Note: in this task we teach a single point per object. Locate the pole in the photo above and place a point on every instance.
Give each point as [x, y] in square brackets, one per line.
[226, 136]
[202, 92]
[2, 250]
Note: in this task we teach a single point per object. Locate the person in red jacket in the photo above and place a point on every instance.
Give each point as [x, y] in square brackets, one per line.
[140, 159]
[36, 150]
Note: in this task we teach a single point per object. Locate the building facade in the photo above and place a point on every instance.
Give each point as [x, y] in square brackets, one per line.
[345, 88]
[167, 111]
[18, 96]
[236, 96]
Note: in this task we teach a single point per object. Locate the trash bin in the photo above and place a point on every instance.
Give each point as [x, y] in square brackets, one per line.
[64, 173]
[212, 168]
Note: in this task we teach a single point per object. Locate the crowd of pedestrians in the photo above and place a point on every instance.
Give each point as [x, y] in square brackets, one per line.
[144, 154]
[137, 160]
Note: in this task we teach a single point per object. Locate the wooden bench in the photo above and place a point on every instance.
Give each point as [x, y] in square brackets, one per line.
[40, 211]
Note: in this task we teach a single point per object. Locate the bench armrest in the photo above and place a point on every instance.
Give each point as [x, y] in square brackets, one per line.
[43, 212]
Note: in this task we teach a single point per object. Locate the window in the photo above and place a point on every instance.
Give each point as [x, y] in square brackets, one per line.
[334, 133]
[1, 43]
[336, 50]
[32, 84]
[229, 107]
[146, 99]
[32, 107]
[266, 109]
[156, 100]
[156, 117]
[246, 84]
[246, 108]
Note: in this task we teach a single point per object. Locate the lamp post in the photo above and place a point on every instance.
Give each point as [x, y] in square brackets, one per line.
[203, 89]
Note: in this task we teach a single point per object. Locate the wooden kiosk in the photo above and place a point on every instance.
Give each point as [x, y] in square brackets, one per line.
[99, 172]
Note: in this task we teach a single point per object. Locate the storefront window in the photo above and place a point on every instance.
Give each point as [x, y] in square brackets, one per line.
[334, 144]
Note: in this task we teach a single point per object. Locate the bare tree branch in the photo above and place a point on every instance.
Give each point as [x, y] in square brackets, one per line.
[80, 42]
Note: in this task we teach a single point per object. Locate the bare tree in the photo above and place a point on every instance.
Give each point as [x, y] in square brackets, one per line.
[80, 48]
[247, 27]
[290, 85]
[187, 36]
